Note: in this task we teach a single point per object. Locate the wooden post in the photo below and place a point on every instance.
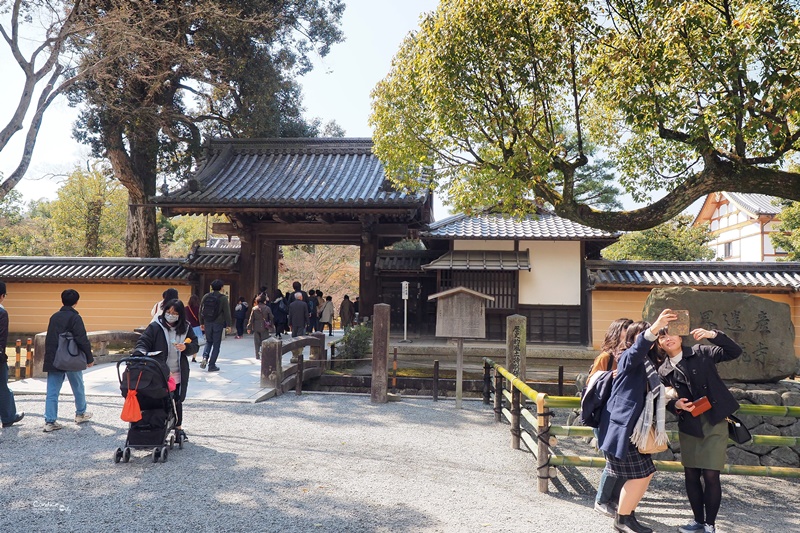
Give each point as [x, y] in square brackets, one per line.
[271, 365]
[380, 353]
[515, 410]
[543, 453]
[29, 358]
[436, 380]
[459, 372]
[298, 383]
[561, 381]
[487, 383]
[516, 347]
[317, 352]
[18, 350]
[394, 370]
[498, 396]
[333, 355]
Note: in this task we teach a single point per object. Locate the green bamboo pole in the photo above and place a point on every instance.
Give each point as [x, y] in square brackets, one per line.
[768, 410]
[674, 466]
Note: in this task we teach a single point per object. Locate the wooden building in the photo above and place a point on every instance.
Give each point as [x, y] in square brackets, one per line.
[532, 266]
[298, 191]
[741, 225]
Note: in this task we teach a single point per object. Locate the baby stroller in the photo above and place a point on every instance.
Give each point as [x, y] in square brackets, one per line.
[149, 376]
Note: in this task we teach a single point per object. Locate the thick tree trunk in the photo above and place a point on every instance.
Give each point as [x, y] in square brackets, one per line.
[137, 172]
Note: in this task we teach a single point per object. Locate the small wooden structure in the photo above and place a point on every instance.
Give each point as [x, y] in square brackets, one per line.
[460, 314]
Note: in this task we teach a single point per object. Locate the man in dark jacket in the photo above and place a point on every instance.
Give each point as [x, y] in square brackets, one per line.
[8, 408]
[298, 315]
[215, 316]
[66, 319]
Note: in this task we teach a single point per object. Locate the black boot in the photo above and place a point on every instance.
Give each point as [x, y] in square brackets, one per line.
[629, 524]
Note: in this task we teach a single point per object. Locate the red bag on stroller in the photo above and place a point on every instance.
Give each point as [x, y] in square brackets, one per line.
[131, 412]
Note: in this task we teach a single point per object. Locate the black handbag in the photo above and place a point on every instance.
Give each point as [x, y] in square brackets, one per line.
[737, 431]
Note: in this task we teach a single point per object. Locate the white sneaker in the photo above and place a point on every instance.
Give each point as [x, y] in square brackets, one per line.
[48, 427]
[85, 417]
[709, 529]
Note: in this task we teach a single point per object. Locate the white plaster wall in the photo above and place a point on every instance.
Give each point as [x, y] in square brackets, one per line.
[730, 235]
[485, 245]
[751, 229]
[555, 276]
[750, 248]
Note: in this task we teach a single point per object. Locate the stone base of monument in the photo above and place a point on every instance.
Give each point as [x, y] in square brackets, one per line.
[393, 397]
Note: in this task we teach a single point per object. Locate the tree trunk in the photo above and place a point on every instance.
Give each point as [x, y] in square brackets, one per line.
[94, 214]
[137, 172]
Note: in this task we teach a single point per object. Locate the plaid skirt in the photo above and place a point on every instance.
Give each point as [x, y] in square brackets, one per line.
[634, 465]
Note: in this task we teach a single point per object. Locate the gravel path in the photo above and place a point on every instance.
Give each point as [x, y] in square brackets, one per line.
[327, 463]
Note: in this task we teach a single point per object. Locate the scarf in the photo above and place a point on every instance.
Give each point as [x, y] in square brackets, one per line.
[655, 395]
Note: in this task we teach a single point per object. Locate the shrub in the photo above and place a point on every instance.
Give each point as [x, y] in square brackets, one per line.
[356, 343]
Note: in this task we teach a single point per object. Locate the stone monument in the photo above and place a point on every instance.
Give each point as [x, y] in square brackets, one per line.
[762, 328]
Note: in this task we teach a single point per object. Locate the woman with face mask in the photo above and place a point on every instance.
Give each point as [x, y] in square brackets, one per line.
[173, 339]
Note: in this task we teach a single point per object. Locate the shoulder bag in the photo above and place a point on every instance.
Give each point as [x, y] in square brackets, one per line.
[69, 357]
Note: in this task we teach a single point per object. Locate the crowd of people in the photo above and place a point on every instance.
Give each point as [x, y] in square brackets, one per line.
[653, 372]
[175, 333]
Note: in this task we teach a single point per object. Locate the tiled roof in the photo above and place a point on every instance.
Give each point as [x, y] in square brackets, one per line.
[480, 260]
[204, 257]
[223, 242]
[309, 172]
[782, 276]
[545, 226]
[94, 269]
[757, 204]
[404, 260]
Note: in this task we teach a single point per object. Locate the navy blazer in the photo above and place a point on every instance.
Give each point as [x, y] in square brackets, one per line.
[627, 399]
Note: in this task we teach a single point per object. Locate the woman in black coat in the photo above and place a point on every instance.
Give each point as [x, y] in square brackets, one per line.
[171, 335]
[280, 310]
[692, 373]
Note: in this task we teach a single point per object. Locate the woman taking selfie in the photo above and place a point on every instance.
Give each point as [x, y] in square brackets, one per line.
[636, 404]
[701, 402]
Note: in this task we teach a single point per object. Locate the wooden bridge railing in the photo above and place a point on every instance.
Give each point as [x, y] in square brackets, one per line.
[542, 442]
[273, 374]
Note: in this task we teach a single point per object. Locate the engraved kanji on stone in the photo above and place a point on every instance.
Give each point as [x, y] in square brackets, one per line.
[707, 320]
[734, 322]
[762, 323]
[760, 353]
[745, 354]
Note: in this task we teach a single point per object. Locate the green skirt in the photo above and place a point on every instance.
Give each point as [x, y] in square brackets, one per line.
[708, 452]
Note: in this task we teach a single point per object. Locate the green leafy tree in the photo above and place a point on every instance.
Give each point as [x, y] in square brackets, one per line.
[33, 234]
[191, 67]
[676, 240]
[89, 215]
[496, 103]
[184, 231]
[789, 240]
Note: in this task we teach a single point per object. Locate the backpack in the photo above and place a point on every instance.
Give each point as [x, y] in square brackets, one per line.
[594, 397]
[211, 307]
[282, 305]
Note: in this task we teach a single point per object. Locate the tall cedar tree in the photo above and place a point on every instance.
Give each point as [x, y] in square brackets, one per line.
[189, 68]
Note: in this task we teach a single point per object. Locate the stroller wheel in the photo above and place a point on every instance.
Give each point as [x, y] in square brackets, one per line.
[126, 454]
[156, 454]
[180, 441]
[164, 454]
[117, 455]
[171, 441]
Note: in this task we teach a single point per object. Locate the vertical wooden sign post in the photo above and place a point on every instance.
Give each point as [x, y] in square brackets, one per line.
[516, 347]
[380, 353]
[460, 314]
